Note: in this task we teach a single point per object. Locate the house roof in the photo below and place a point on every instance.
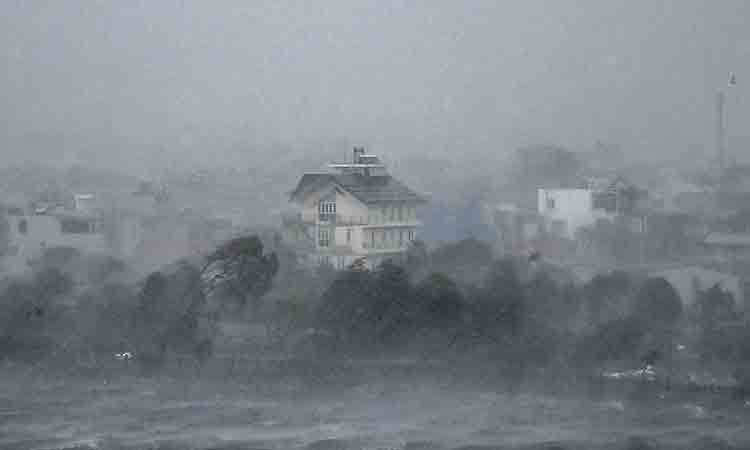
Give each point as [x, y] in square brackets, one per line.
[367, 189]
[727, 239]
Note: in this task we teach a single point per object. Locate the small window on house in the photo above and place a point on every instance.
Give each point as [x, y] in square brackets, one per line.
[23, 226]
[550, 203]
[411, 236]
[327, 209]
[401, 238]
[348, 236]
[323, 238]
[76, 226]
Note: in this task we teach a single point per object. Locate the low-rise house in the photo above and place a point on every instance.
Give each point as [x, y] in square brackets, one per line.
[354, 210]
[565, 211]
[30, 232]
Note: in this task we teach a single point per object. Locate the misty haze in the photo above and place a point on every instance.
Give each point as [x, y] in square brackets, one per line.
[345, 225]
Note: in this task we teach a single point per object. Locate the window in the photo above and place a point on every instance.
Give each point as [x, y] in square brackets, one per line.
[411, 235]
[323, 238]
[76, 226]
[349, 236]
[327, 209]
[550, 203]
[23, 226]
[401, 238]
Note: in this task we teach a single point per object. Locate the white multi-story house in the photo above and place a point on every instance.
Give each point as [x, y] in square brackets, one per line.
[351, 211]
[567, 210]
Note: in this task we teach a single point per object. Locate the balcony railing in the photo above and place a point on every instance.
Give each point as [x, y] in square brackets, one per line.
[342, 220]
[386, 245]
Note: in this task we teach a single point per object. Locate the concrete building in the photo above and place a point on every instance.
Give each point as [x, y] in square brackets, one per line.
[354, 210]
[567, 210]
[30, 232]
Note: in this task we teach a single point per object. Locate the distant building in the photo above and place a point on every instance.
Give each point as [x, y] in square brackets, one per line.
[32, 232]
[354, 210]
[567, 210]
[515, 228]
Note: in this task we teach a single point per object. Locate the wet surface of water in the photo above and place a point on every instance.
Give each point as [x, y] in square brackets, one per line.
[44, 411]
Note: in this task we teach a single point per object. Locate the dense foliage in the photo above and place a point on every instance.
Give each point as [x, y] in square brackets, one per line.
[454, 302]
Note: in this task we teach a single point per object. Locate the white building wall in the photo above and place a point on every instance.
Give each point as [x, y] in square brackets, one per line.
[359, 218]
[43, 231]
[573, 207]
[347, 206]
[350, 209]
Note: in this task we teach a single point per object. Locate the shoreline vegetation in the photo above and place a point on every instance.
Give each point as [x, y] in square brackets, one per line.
[452, 346]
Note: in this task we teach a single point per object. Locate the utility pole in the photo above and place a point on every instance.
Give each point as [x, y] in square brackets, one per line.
[720, 148]
[722, 123]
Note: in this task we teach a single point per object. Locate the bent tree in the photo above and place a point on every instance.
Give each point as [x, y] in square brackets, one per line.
[240, 269]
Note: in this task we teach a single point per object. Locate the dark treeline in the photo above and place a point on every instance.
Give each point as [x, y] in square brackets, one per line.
[456, 303]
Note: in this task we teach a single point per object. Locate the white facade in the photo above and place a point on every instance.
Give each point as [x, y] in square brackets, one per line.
[343, 229]
[31, 234]
[567, 210]
[338, 225]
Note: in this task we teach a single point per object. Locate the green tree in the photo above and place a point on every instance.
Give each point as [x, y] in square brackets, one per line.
[417, 257]
[241, 269]
[106, 319]
[657, 302]
[713, 306]
[29, 311]
[4, 234]
[390, 305]
[439, 302]
[611, 341]
[502, 301]
[606, 296]
[466, 260]
[173, 315]
[344, 308]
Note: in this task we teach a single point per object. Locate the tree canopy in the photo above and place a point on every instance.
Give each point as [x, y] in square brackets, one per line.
[657, 301]
[241, 268]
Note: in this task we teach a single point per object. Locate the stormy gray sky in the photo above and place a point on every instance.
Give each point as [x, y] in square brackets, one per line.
[474, 76]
